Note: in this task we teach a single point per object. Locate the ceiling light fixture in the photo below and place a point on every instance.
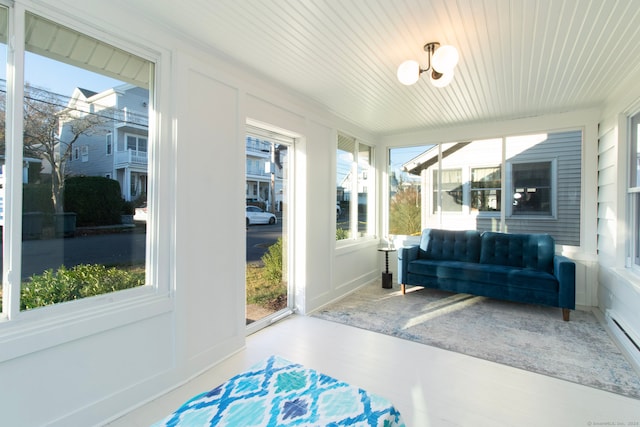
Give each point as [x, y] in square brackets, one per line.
[442, 61]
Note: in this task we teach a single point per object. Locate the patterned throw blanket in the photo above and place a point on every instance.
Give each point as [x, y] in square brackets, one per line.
[276, 392]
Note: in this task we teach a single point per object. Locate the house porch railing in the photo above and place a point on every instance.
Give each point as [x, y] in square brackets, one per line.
[131, 157]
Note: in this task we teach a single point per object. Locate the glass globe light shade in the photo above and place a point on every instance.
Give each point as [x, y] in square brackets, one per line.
[409, 72]
[444, 80]
[445, 58]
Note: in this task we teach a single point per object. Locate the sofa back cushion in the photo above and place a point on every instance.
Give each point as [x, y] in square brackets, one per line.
[518, 250]
[453, 245]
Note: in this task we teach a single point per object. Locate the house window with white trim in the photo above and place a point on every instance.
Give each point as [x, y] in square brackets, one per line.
[531, 188]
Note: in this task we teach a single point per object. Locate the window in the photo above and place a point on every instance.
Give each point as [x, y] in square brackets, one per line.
[43, 170]
[634, 189]
[447, 192]
[108, 144]
[531, 188]
[353, 187]
[525, 183]
[137, 143]
[486, 184]
[405, 207]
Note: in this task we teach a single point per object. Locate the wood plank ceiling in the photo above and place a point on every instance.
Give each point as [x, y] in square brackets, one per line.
[518, 58]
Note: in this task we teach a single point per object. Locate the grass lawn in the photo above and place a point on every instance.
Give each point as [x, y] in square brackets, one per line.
[263, 293]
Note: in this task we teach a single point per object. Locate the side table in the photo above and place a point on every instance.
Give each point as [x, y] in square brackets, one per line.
[387, 277]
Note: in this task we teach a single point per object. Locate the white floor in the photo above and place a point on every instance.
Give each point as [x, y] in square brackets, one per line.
[430, 387]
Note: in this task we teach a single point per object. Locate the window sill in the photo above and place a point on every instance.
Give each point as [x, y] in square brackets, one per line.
[50, 326]
[350, 245]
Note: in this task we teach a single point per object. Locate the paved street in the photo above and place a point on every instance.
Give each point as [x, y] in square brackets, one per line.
[118, 248]
[109, 249]
[259, 238]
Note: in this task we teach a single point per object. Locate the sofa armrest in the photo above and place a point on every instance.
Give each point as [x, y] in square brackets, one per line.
[405, 256]
[565, 271]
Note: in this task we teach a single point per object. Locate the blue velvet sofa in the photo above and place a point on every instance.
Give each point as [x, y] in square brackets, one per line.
[514, 267]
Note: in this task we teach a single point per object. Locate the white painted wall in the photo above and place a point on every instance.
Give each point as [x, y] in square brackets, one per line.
[86, 368]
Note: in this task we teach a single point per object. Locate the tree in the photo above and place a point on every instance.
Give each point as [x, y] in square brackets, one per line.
[404, 211]
[50, 130]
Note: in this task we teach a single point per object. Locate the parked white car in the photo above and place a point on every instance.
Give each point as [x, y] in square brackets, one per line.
[255, 215]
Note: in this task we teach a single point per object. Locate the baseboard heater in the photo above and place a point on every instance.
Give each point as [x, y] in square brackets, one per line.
[626, 336]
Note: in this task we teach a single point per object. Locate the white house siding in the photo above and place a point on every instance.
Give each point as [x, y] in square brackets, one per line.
[619, 285]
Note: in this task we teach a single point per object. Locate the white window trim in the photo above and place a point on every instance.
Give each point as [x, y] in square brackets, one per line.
[633, 193]
[24, 332]
[369, 234]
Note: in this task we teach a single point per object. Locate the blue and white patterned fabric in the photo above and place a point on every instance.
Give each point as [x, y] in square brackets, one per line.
[276, 392]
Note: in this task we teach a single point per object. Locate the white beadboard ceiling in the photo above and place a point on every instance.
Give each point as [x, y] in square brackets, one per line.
[518, 58]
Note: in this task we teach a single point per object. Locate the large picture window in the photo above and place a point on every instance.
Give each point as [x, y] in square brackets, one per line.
[517, 184]
[78, 236]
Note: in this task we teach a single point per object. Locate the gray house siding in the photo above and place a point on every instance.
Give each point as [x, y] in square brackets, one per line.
[98, 162]
[565, 149]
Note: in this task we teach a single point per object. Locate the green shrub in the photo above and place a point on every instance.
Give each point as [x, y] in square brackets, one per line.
[342, 234]
[272, 260]
[78, 282]
[96, 200]
[37, 198]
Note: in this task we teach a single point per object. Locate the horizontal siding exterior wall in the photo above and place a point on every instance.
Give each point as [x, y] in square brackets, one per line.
[607, 190]
[565, 149]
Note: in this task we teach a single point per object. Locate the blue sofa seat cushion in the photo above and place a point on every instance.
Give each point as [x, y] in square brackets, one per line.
[463, 245]
[535, 251]
[495, 275]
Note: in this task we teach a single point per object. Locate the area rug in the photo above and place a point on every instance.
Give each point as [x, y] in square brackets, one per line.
[524, 336]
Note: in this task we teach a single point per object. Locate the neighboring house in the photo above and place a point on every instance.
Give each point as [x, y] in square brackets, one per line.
[264, 157]
[534, 187]
[118, 149]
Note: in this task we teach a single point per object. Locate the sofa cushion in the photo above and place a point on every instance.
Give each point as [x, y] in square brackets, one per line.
[534, 251]
[498, 275]
[453, 245]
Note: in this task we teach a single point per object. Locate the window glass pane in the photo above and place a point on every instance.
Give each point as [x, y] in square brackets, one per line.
[532, 188]
[485, 189]
[635, 197]
[448, 192]
[364, 177]
[3, 159]
[635, 151]
[345, 158]
[405, 207]
[74, 218]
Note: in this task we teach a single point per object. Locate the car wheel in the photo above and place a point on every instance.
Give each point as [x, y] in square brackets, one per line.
[247, 221]
[272, 220]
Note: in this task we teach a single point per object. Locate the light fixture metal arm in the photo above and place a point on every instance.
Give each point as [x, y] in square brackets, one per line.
[430, 48]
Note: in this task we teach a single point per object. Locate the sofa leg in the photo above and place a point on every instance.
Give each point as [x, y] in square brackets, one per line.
[565, 314]
[402, 288]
